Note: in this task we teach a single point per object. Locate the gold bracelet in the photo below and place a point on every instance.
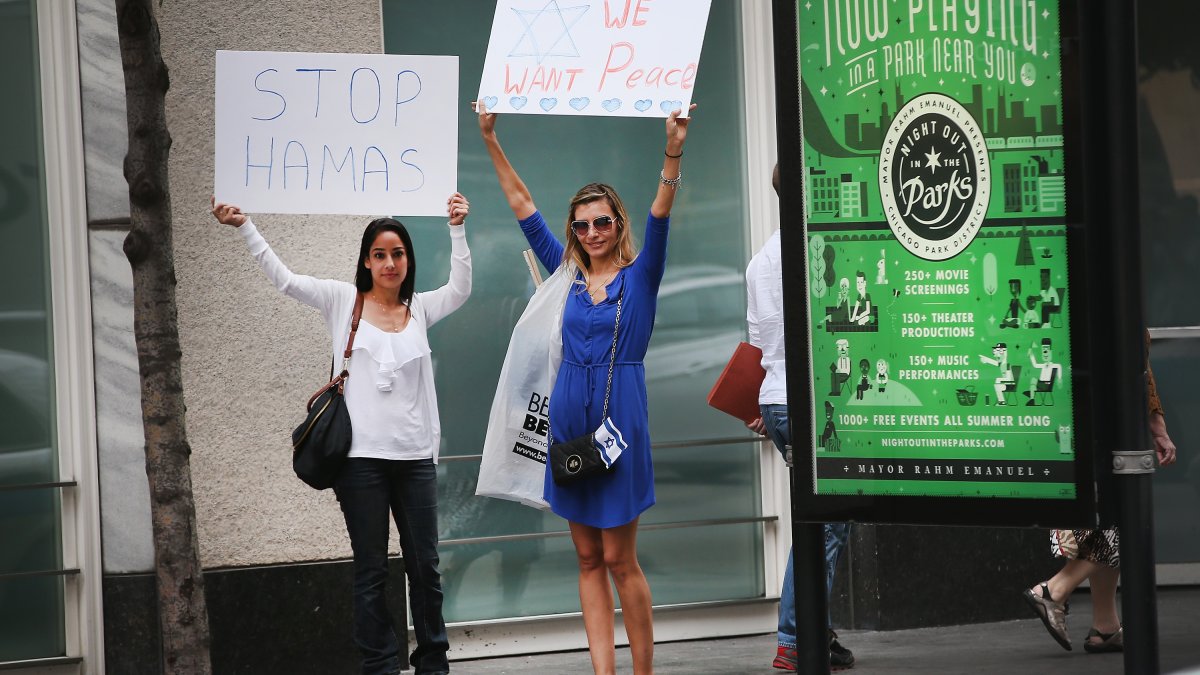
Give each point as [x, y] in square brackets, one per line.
[670, 182]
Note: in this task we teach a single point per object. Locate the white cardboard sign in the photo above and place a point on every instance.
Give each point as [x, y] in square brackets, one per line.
[616, 58]
[370, 134]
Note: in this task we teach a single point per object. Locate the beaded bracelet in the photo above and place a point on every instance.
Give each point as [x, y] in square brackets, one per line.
[670, 182]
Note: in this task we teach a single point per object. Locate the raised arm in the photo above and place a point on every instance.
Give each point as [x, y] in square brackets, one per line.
[519, 199]
[671, 175]
[319, 293]
[442, 301]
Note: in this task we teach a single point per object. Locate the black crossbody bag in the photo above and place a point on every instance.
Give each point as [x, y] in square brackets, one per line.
[580, 457]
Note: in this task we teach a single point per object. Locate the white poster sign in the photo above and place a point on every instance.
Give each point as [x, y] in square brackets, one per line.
[370, 134]
[632, 58]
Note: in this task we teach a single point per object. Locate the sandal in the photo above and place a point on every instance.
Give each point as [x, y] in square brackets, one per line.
[1053, 615]
[1108, 642]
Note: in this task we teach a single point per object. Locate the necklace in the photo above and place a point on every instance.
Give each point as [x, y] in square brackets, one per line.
[395, 315]
[600, 286]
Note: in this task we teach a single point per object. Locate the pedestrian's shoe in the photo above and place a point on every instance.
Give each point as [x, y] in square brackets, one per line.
[840, 658]
[785, 658]
[1104, 642]
[1053, 614]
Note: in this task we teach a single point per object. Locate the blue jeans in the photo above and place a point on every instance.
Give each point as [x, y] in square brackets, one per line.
[775, 417]
[367, 490]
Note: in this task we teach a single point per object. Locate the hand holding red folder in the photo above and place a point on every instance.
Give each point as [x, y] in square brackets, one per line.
[736, 390]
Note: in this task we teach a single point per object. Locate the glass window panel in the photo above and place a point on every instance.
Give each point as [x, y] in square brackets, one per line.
[1169, 140]
[701, 319]
[31, 619]
[31, 608]
[1176, 366]
[705, 483]
[492, 580]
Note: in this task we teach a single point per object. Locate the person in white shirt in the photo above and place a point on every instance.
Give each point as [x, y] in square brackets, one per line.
[764, 314]
[391, 466]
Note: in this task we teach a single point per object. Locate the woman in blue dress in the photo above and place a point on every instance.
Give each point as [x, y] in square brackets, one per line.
[603, 510]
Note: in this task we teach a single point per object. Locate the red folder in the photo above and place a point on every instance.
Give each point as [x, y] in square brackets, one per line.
[736, 390]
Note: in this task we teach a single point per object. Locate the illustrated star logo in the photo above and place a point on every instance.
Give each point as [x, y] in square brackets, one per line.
[933, 160]
[548, 31]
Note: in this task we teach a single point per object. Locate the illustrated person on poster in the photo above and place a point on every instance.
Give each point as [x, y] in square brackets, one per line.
[1049, 373]
[881, 375]
[1032, 317]
[838, 315]
[839, 370]
[829, 435]
[1013, 318]
[864, 379]
[1050, 301]
[999, 359]
[861, 312]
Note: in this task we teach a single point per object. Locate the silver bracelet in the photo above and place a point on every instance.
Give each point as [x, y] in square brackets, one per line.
[670, 182]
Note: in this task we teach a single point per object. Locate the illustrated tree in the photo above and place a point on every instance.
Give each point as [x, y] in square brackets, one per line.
[816, 251]
[182, 611]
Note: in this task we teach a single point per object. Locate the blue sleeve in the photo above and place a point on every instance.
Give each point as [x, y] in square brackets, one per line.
[545, 246]
[652, 261]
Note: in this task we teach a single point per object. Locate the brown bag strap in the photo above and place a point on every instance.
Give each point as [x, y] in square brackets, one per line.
[339, 380]
[358, 305]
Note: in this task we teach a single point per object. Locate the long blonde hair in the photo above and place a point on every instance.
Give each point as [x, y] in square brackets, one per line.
[624, 252]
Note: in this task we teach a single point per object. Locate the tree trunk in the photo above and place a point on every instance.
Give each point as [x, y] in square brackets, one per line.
[182, 613]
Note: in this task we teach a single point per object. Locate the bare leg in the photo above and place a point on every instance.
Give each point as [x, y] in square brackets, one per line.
[1063, 584]
[620, 557]
[1104, 599]
[595, 597]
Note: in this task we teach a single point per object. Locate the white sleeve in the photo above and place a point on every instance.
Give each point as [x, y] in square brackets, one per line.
[319, 293]
[755, 335]
[440, 302]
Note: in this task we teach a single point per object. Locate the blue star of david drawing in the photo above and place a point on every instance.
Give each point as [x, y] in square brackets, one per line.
[546, 29]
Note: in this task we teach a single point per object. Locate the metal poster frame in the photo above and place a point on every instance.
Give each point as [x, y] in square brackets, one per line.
[939, 303]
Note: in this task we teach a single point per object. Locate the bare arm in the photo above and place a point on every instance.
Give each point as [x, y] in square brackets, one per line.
[519, 199]
[676, 135]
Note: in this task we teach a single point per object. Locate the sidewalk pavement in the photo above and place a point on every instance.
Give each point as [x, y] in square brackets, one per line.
[1007, 648]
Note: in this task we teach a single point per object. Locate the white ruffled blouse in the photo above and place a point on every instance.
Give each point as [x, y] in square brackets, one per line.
[385, 403]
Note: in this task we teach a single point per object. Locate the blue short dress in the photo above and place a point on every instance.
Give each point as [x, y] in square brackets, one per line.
[577, 402]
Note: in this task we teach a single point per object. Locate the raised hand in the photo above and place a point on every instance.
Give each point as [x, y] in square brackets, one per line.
[228, 214]
[457, 208]
[487, 120]
[677, 129]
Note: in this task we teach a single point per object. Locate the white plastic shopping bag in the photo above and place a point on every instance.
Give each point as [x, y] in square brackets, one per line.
[514, 451]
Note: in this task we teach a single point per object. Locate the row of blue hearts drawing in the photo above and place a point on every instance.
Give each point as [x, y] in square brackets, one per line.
[580, 103]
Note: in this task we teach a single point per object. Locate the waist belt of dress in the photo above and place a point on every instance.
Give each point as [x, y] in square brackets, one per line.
[591, 369]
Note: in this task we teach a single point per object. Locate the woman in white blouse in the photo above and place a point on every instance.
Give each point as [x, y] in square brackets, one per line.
[393, 412]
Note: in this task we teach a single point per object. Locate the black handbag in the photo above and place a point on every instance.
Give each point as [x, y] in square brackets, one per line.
[322, 441]
[580, 457]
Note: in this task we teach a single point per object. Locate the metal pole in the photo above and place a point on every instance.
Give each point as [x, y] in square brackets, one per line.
[808, 539]
[812, 605]
[1112, 144]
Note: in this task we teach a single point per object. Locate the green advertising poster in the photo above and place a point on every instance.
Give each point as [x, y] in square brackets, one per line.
[937, 260]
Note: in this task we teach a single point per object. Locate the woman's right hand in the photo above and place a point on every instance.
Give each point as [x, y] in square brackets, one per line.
[228, 214]
[487, 120]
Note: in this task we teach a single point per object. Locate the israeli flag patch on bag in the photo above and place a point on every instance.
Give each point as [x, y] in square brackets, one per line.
[609, 442]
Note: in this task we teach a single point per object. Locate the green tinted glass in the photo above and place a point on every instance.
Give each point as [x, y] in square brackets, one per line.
[31, 608]
[700, 320]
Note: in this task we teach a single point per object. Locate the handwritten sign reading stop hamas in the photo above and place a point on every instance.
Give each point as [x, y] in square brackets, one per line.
[631, 58]
[336, 133]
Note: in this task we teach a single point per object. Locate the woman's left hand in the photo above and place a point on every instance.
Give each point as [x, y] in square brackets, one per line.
[677, 130]
[457, 208]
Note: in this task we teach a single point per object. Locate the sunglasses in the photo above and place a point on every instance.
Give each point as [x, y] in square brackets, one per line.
[601, 223]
